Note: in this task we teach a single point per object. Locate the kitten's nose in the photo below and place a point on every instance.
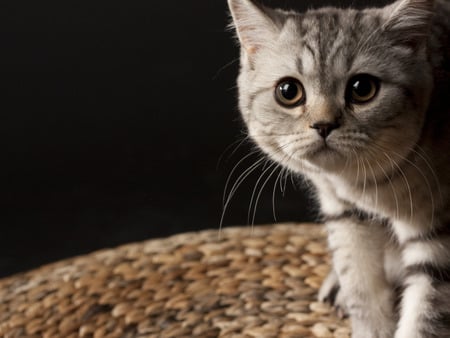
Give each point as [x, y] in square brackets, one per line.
[325, 128]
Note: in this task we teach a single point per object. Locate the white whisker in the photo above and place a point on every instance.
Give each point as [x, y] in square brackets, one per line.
[405, 179]
[235, 186]
[277, 181]
[261, 189]
[230, 175]
[376, 184]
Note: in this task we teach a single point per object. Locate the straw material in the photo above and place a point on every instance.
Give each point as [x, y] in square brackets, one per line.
[247, 283]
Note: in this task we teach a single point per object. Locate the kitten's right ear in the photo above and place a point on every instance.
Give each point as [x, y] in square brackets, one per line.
[254, 26]
[409, 20]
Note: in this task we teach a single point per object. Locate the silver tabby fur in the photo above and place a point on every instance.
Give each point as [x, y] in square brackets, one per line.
[383, 177]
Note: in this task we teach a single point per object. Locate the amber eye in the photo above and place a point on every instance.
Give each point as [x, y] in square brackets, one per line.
[362, 88]
[289, 92]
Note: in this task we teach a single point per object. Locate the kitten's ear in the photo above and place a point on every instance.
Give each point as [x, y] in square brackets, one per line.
[409, 20]
[254, 24]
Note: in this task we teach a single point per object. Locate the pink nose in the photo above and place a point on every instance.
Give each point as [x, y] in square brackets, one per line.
[325, 128]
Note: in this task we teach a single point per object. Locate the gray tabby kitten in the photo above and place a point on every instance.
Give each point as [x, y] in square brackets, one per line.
[357, 101]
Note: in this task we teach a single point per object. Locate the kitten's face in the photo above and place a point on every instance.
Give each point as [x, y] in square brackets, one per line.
[331, 89]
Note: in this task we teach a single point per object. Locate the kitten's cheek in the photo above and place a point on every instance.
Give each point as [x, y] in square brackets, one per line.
[264, 143]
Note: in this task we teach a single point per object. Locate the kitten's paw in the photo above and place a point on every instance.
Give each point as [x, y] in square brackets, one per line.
[329, 289]
[375, 318]
[360, 330]
[330, 292]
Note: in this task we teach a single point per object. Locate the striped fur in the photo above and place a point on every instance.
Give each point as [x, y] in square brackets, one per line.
[382, 175]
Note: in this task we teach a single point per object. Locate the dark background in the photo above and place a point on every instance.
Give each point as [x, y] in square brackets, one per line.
[119, 123]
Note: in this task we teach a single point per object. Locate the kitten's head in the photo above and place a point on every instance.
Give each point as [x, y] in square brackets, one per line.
[334, 88]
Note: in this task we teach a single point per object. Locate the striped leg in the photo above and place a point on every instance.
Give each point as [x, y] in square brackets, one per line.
[425, 307]
[358, 255]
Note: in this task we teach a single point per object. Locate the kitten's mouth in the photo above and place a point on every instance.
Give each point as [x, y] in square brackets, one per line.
[321, 148]
[323, 151]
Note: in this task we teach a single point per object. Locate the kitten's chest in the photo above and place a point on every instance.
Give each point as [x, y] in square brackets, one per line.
[341, 194]
[401, 201]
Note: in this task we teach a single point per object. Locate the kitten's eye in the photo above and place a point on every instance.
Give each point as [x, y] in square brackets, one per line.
[362, 88]
[289, 92]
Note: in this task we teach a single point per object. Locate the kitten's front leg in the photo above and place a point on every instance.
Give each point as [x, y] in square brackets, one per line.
[358, 255]
[425, 306]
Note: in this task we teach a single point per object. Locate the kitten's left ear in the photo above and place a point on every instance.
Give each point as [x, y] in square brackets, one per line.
[254, 25]
[409, 20]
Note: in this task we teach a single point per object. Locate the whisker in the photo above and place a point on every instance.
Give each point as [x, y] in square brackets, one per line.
[347, 160]
[430, 190]
[239, 142]
[221, 69]
[365, 180]
[422, 154]
[404, 159]
[292, 179]
[405, 179]
[391, 186]
[261, 190]
[230, 175]
[235, 186]
[282, 134]
[283, 185]
[243, 176]
[265, 170]
[279, 149]
[277, 180]
[357, 163]
[376, 184]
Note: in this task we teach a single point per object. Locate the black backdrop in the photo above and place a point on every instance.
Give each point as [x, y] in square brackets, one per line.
[115, 122]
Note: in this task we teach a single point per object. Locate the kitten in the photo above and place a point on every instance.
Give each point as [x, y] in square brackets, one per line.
[357, 101]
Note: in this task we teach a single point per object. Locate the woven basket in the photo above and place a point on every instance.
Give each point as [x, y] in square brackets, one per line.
[259, 282]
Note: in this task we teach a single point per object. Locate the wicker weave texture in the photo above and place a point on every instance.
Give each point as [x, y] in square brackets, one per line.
[259, 282]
